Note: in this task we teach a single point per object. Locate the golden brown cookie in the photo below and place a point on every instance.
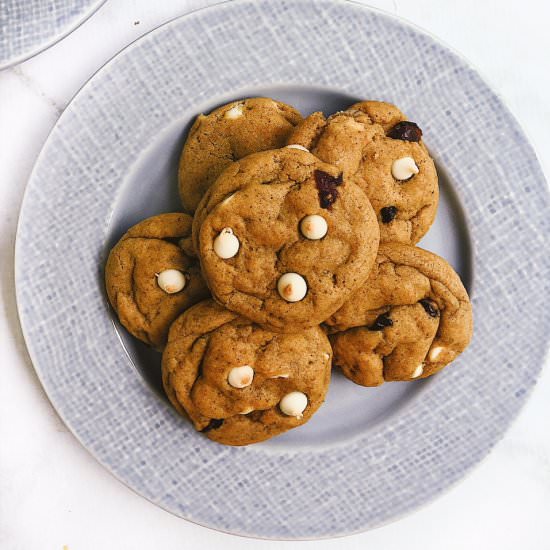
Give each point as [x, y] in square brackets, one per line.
[373, 143]
[230, 133]
[150, 256]
[410, 319]
[240, 383]
[284, 239]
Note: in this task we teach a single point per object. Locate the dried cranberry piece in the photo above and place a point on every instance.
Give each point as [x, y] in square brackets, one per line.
[213, 425]
[388, 213]
[326, 187]
[405, 130]
[381, 322]
[430, 306]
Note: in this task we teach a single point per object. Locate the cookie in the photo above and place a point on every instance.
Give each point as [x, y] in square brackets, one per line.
[373, 143]
[284, 238]
[240, 383]
[410, 319]
[230, 133]
[149, 278]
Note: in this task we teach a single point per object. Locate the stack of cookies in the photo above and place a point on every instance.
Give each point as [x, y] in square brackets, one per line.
[296, 255]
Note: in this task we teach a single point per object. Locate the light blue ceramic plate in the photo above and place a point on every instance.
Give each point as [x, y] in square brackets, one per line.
[369, 455]
[29, 26]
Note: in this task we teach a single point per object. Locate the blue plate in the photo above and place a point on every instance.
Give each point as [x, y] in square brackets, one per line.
[29, 26]
[369, 455]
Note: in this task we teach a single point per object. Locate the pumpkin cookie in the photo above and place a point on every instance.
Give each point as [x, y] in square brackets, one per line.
[373, 143]
[284, 238]
[149, 278]
[227, 134]
[240, 383]
[409, 320]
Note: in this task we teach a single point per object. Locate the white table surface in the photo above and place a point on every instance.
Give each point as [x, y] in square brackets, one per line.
[54, 495]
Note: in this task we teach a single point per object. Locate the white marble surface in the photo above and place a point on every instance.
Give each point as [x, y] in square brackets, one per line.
[52, 492]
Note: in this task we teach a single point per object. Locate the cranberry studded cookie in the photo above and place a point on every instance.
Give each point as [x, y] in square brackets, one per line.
[227, 134]
[240, 383]
[284, 238]
[409, 320]
[374, 143]
[149, 278]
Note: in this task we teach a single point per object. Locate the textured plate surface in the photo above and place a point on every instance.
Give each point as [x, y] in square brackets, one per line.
[128, 114]
[30, 26]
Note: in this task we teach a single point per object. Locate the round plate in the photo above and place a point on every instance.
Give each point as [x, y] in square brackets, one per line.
[29, 26]
[371, 454]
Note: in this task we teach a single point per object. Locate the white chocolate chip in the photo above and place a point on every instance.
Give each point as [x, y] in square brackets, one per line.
[280, 376]
[240, 377]
[171, 280]
[296, 146]
[435, 353]
[227, 199]
[235, 112]
[226, 245]
[418, 371]
[247, 410]
[404, 168]
[326, 356]
[292, 287]
[314, 227]
[293, 404]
